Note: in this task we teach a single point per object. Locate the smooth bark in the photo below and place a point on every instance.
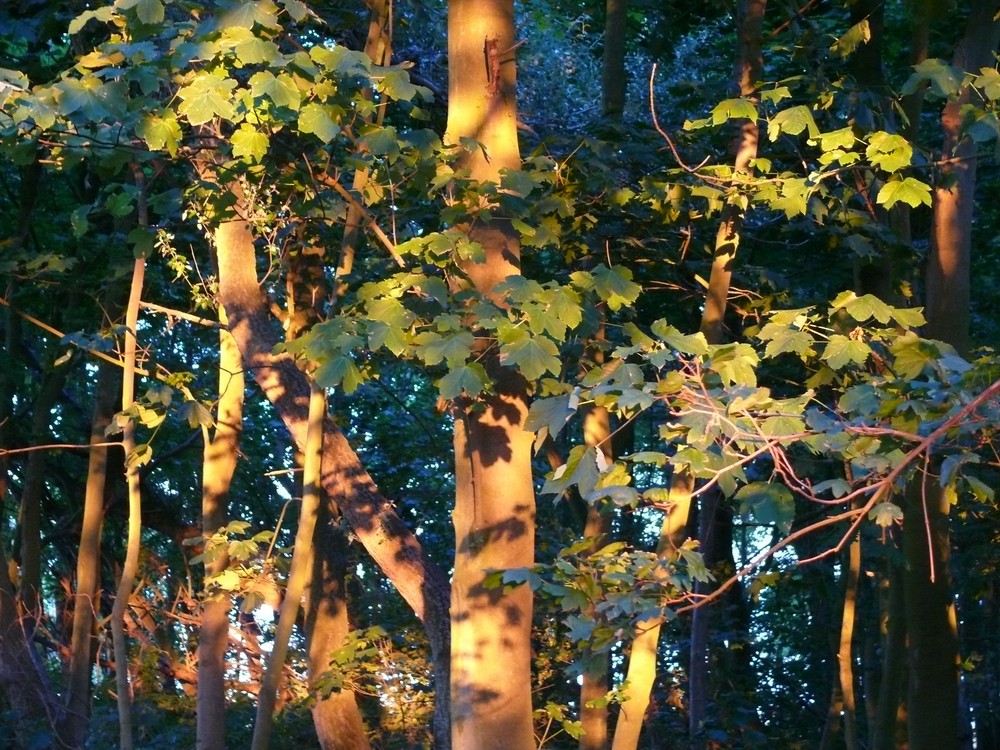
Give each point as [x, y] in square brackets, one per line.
[845, 655]
[494, 514]
[614, 81]
[86, 597]
[219, 461]
[392, 546]
[299, 574]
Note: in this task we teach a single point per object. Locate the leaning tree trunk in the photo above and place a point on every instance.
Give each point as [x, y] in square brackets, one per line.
[930, 612]
[494, 513]
[374, 521]
[218, 466]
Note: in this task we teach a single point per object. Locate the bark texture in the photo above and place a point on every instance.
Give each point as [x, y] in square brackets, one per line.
[614, 81]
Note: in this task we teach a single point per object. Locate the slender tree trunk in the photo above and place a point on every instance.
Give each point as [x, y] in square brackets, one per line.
[86, 598]
[885, 732]
[641, 672]
[594, 681]
[930, 613]
[614, 80]
[338, 721]
[134, 539]
[750, 19]
[845, 654]
[218, 466]
[494, 513]
[299, 573]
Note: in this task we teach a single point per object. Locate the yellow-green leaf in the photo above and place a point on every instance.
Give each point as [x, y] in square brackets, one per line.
[909, 190]
[249, 142]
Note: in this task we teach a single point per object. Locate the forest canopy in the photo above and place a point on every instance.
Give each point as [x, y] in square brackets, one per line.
[481, 375]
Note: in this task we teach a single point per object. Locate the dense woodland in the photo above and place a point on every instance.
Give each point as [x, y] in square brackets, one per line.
[492, 376]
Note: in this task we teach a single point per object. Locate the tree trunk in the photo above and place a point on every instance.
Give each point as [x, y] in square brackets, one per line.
[594, 681]
[641, 672]
[614, 80]
[86, 598]
[392, 546]
[218, 466]
[130, 568]
[494, 514]
[885, 732]
[845, 655]
[930, 613]
[337, 719]
[299, 574]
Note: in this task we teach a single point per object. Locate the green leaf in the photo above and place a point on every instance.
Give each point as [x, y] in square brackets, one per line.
[889, 151]
[615, 286]
[860, 33]
[837, 139]
[339, 370]
[547, 416]
[841, 351]
[249, 142]
[692, 343]
[160, 131]
[885, 514]
[296, 9]
[533, 356]
[433, 348]
[733, 109]
[909, 190]
[782, 426]
[469, 379]
[792, 121]
[207, 96]
[280, 89]
[396, 85]
[104, 15]
[315, 118]
[148, 11]
[767, 504]
[911, 354]
[735, 363]
[944, 80]
[776, 95]
[862, 308]
[142, 240]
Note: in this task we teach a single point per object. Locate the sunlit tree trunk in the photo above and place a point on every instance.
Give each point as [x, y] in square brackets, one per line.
[392, 546]
[594, 680]
[86, 597]
[130, 568]
[750, 19]
[494, 495]
[218, 466]
[641, 672]
[614, 81]
[299, 574]
[845, 655]
[886, 728]
[930, 612]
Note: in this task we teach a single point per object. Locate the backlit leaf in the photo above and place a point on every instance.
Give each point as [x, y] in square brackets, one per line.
[314, 118]
[767, 503]
[249, 142]
[909, 190]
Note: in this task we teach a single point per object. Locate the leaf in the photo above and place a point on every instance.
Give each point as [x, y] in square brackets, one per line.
[196, 414]
[735, 363]
[692, 343]
[315, 118]
[792, 121]
[547, 416]
[140, 456]
[396, 85]
[733, 109]
[615, 286]
[841, 351]
[911, 354]
[280, 89]
[944, 80]
[160, 131]
[339, 370]
[433, 348]
[860, 33]
[581, 469]
[103, 15]
[296, 9]
[533, 356]
[142, 240]
[470, 379]
[909, 190]
[767, 503]
[782, 426]
[249, 142]
[148, 11]
[207, 96]
[227, 580]
[889, 151]
[837, 139]
[885, 514]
